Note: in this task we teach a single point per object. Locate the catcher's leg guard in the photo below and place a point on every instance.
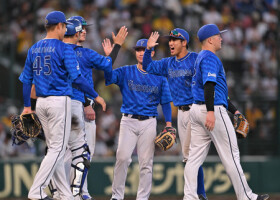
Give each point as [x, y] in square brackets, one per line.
[81, 164]
[53, 190]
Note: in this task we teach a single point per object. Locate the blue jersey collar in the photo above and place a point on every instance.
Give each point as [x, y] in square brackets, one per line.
[185, 57]
[141, 71]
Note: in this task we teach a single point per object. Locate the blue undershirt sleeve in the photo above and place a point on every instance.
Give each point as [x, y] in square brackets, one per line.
[26, 94]
[166, 109]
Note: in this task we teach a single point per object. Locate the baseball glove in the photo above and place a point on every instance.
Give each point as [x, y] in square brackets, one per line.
[166, 138]
[241, 125]
[26, 126]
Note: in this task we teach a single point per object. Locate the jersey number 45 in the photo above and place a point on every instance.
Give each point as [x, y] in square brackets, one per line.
[38, 66]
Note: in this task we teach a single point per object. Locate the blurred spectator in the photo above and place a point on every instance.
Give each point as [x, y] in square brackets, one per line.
[270, 16]
[24, 42]
[226, 15]
[211, 16]
[7, 150]
[269, 85]
[2, 134]
[7, 119]
[253, 115]
[163, 24]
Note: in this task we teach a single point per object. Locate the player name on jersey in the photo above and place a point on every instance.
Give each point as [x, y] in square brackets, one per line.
[43, 50]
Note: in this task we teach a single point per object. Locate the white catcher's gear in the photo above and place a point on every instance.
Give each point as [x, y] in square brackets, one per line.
[90, 128]
[80, 169]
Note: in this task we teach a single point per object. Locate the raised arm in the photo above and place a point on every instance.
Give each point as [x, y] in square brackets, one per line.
[152, 41]
[113, 50]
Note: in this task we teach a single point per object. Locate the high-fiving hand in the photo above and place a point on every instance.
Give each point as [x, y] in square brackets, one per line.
[120, 37]
[107, 46]
[152, 41]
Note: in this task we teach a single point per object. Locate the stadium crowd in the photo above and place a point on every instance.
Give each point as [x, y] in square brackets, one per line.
[249, 52]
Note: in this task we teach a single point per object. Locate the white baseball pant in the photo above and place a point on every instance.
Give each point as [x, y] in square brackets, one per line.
[224, 139]
[141, 134]
[184, 131]
[54, 113]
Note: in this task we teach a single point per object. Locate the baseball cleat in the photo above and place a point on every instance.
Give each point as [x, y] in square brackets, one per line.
[201, 197]
[263, 197]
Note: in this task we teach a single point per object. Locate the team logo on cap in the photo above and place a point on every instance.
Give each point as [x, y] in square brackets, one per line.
[142, 42]
[78, 28]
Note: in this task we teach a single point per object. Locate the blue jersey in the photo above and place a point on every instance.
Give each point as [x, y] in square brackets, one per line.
[89, 59]
[179, 73]
[53, 66]
[208, 67]
[142, 92]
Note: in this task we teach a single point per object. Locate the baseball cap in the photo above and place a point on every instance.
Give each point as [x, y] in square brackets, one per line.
[142, 43]
[207, 31]
[55, 17]
[74, 26]
[81, 19]
[179, 33]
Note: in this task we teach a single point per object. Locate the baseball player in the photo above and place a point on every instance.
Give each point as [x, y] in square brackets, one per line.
[210, 120]
[51, 66]
[88, 59]
[142, 92]
[179, 70]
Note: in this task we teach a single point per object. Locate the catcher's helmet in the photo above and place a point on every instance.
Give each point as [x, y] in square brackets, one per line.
[81, 20]
[74, 26]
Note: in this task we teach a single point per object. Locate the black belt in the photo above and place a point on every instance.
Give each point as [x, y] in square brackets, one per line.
[185, 107]
[139, 117]
[199, 102]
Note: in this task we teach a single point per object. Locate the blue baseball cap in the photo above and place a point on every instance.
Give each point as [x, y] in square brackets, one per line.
[207, 31]
[74, 26]
[55, 17]
[142, 43]
[81, 19]
[179, 33]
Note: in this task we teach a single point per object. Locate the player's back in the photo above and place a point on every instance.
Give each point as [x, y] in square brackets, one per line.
[51, 76]
[89, 59]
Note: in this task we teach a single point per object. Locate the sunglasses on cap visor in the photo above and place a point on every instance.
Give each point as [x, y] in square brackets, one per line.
[176, 34]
